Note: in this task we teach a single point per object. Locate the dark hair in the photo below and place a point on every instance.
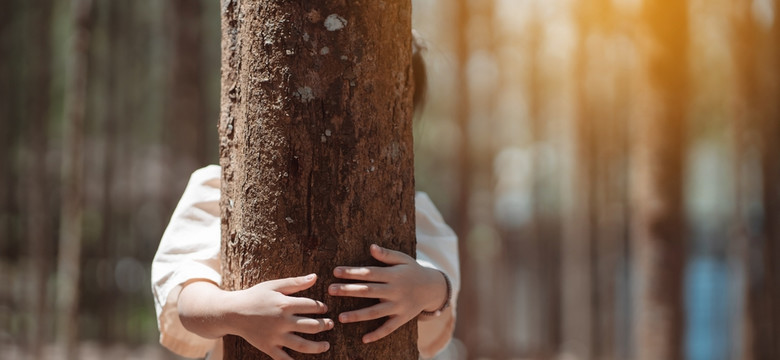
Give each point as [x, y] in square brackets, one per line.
[419, 73]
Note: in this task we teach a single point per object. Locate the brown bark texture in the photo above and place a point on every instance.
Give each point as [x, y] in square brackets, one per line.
[656, 190]
[316, 152]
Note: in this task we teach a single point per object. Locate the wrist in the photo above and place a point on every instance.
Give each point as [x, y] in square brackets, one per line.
[443, 293]
[204, 308]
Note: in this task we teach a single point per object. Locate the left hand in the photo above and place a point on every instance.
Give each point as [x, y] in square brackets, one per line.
[404, 289]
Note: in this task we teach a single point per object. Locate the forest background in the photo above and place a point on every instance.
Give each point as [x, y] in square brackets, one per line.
[533, 144]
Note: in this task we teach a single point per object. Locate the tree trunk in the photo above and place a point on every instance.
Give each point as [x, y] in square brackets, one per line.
[186, 117]
[656, 190]
[577, 282]
[38, 219]
[468, 320]
[316, 151]
[770, 165]
[766, 325]
[7, 111]
[68, 266]
[111, 23]
[746, 109]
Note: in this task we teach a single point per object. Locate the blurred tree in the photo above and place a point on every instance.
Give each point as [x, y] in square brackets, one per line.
[71, 212]
[186, 119]
[39, 217]
[107, 25]
[771, 181]
[468, 303]
[540, 242]
[756, 54]
[7, 8]
[747, 104]
[598, 224]
[316, 151]
[582, 308]
[12, 82]
[658, 247]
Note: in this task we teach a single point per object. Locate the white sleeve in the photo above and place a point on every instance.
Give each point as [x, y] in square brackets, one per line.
[437, 248]
[189, 250]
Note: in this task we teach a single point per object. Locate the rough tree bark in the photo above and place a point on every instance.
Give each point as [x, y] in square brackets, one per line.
[69, 257]
[656, 182]
[316, 151]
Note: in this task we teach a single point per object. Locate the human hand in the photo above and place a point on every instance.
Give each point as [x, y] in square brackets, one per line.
[404, 289]
[264, 315]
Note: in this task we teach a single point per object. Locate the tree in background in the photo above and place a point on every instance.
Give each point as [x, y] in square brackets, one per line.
[753, 51]
[597, 225]
[186, 115]
[316, 151]
[770, 142]
[39, 220]
[71, 212]
[658, 248]
[468, 314]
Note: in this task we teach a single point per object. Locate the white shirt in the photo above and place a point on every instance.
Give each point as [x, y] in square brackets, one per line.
[190, 250]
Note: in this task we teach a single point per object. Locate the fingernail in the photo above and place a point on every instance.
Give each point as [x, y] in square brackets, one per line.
[333, 289]
[343, 318]
[327, 346]
[310, 277]
[366, 340]
[338, 271]
[375, 247]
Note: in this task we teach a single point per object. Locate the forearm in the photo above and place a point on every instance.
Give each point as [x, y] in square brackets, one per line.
[202, 307]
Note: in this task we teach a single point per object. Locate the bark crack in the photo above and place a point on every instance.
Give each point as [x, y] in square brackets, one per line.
[310, 242]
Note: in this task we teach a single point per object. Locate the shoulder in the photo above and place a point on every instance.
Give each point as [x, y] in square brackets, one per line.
[428, 217]
[202, 192]
[208, 176]
[424, 204]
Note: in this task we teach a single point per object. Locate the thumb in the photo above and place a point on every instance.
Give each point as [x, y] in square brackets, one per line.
[390, 257]
[291, 285]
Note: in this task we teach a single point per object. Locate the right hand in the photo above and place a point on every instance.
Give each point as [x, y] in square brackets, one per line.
[267, 317]
[264, 315]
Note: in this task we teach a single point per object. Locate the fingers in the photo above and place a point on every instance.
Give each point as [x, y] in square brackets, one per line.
[390, 257]
[299, 305]
[388, 327]
[372, 290]
[277, 353]
[312, 326]
[370, 313]
[364, 273]
[301, 345]
[292, 285]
